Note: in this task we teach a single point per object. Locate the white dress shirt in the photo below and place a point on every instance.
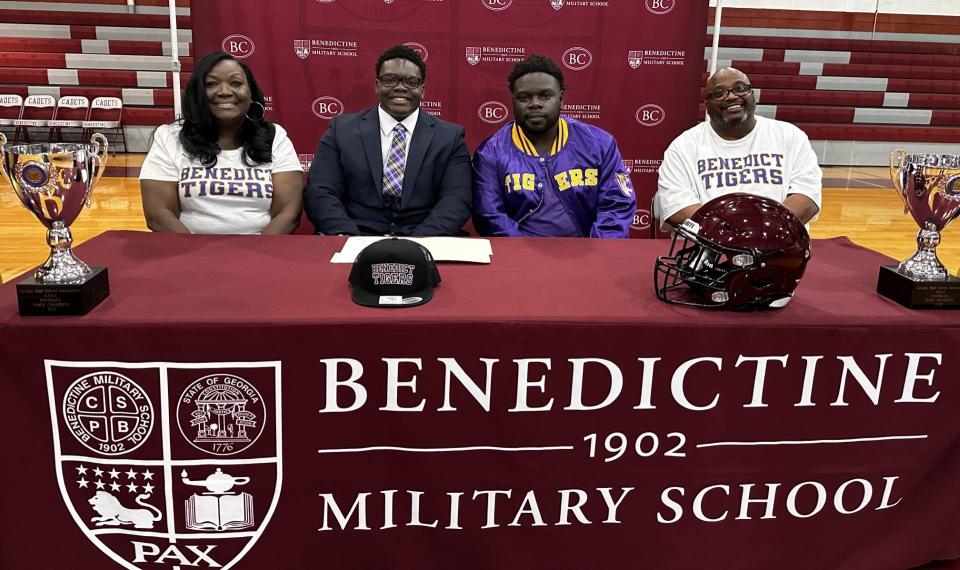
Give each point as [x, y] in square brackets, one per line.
[387, 124]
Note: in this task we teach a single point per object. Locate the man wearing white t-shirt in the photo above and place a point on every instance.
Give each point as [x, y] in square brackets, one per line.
[737, 152]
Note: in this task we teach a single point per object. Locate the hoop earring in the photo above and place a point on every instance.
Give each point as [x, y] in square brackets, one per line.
[263, 112]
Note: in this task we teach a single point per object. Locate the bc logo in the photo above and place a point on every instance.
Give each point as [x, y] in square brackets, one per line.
[419, 48]
[650, 115]
[238, 45]
[327, 107]
[492, 112]
[641, 220]
[660, 7]
[577, 58]
[496, 5]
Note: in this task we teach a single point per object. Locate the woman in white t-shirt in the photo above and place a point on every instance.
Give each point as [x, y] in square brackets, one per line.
[222, 168]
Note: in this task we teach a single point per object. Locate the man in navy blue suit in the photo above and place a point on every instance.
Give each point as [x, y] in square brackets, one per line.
[391, 169]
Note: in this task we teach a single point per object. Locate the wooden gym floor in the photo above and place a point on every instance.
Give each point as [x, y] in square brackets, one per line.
[859, 203]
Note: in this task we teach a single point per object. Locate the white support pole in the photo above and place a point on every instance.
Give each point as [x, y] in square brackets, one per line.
[716, 38]
[876, 13]
[716, 45]
[175, 61]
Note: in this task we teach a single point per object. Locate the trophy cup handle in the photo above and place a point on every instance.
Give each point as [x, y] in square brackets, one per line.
[100, 145]
[8, 175]
[3, 143]
[898, 158]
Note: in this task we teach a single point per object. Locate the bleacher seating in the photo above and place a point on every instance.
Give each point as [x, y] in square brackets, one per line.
[70, 114]
[856, 91]
[96, 49]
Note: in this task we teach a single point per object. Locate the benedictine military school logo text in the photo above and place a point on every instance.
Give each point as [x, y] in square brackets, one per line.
[168, 465]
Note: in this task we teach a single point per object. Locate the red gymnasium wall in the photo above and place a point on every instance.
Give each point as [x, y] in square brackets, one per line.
[632, 67]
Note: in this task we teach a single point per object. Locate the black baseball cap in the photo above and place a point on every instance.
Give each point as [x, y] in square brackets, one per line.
[393, 273]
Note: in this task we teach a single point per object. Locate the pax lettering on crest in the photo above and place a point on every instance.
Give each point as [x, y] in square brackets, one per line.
[189, 555]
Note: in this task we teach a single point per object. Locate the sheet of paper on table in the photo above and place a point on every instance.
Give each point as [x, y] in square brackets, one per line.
[469, 250]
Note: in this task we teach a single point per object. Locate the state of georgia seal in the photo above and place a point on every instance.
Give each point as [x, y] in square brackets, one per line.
[221, 414]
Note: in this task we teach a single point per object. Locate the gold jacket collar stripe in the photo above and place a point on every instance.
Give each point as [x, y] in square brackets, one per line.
[525, 146]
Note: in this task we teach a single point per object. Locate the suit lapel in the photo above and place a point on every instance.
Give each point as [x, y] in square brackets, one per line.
[370, 135]
[422, 135]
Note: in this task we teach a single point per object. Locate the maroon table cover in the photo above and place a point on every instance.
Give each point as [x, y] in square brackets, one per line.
[229, 406]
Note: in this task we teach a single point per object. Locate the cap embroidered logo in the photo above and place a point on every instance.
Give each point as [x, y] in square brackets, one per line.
[394, 273]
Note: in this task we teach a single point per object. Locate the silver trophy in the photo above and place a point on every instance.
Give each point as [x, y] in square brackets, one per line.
[929, 185]
[54, 181]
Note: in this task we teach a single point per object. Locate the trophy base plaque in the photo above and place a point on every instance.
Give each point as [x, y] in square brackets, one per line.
[918, 294]
[52, 299]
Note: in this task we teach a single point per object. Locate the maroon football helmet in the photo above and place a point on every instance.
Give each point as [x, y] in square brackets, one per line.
[738, 252]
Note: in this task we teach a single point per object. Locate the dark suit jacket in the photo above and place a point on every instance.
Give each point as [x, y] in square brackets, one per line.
[345, 188]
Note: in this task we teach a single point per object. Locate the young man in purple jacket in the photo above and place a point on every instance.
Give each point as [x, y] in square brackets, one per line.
[549, 175]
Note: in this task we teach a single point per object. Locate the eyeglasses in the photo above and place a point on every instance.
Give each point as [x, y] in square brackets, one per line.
[740, 89]
[391, 80]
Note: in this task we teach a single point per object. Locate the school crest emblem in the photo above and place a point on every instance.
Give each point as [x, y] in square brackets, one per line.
[165, 465]
[302, 48]
[305, 161]
[473, 55]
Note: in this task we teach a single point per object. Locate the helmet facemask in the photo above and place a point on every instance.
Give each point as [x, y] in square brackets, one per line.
[697, 272]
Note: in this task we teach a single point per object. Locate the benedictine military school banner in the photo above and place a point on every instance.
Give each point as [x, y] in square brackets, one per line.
[632, 67]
